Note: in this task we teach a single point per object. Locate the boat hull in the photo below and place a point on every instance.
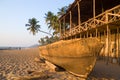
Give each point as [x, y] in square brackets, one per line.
[76, 56]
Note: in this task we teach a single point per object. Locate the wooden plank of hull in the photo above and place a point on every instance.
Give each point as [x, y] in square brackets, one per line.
[76, 56]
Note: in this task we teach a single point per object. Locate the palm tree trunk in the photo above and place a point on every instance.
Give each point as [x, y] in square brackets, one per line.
[45, 32]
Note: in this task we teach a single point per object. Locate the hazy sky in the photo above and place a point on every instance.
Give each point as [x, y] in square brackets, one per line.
[14, 14]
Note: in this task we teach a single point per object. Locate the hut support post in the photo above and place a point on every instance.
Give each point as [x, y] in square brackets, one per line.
[80, 36]
[64, 24]
[103, 39]
[108, 39]
[79, 21]
[96, 33]
[60, 29]
[90, 34]
[108, 44]
[87, 34]
[99, 36]
[94, 11]
[118, 46]
[70, 21]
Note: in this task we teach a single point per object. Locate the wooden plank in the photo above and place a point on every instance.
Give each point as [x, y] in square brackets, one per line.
[96, 33]
[118, 45]
[79, 21]
[87, 34]
[70, 21]
[94, 12]
[64, 24]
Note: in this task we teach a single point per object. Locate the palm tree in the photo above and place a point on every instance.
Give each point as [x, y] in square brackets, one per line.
[49, 19]
[52, 21]
[62, 11]
[42, 41]
[33, 26]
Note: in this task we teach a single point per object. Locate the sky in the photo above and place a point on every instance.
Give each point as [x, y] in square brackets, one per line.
[14, 14]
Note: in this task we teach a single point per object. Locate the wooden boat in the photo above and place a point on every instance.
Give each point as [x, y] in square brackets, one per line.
[77, 56]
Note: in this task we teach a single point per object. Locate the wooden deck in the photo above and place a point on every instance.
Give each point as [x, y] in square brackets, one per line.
[110, 18]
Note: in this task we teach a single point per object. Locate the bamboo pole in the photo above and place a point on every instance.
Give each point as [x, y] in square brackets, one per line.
[84, 35]
[108, 41]
[87, 34]
[80, 36]
[99, 35]
[90, 34]
[79, 21]
[60, 29]
[64, 24]
[94, 11]
[70, 21]
[104, 33]
[107, 44]
[115, 45]
[118, 45]
[96, 33]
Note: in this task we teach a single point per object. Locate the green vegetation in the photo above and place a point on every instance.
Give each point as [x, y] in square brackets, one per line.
[52, 19]
[33, 26]
[48, 40]
[53, 24]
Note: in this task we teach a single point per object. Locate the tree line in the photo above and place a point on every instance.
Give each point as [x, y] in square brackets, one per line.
[52, 23]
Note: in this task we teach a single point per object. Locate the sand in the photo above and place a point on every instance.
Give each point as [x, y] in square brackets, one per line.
[25, 65]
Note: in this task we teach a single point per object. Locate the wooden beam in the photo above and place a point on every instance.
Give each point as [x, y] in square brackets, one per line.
[99, 36]
[79, 21]
[118, 46]
[108, 45]
[96, 33]
[70, 21]
[64, 24]
[108, 41]
[60, 28]
[90, 34]
[87, 34]
[80, 36]
[94, 11]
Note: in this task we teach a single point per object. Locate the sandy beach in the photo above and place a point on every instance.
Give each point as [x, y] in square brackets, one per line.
[25, 65]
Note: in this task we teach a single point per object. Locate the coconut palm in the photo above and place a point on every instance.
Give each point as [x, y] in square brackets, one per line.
[33, 25]
[52, 21]
[49, 19]
[42, 41]
[62, 11]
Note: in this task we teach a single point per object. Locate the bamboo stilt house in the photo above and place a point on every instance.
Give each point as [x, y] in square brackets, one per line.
[94, 18]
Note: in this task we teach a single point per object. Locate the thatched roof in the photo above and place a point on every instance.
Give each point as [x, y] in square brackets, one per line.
[86, 8]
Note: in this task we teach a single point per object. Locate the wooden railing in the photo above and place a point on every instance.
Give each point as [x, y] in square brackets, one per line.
[109, 16]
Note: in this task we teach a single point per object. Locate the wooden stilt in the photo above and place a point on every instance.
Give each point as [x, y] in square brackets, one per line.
[87, 34]
[115, 40]
[94, 11]
[118, 46]
[70, 21]
[80, 36]
[64, 24]
[84, 35]
[107, 45]
[60, 29]
[104, 37]
[99, 35]
[90, 34]
[96, 33]
[78, 13]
